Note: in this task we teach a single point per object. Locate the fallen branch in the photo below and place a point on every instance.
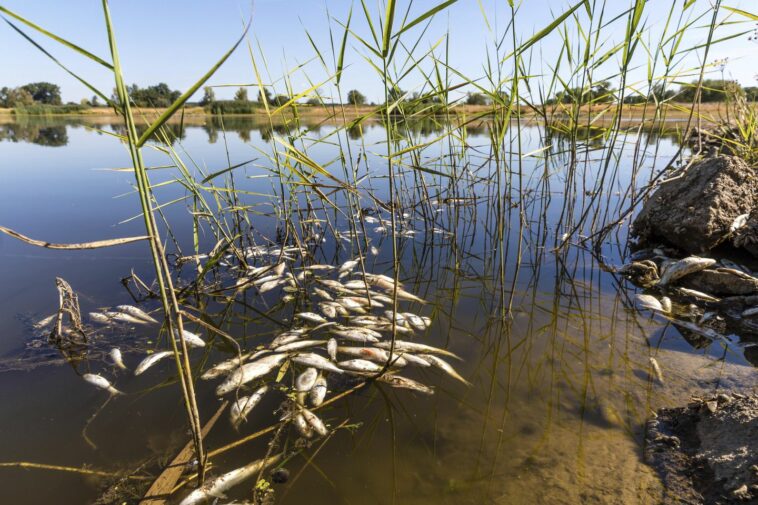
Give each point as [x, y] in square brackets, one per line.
[86, 471]
[85, 245]
[161, 488]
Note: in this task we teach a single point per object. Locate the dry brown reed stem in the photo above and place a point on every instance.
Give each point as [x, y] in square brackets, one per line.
[84, 245]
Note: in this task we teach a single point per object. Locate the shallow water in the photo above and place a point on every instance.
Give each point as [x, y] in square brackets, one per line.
[561, 386]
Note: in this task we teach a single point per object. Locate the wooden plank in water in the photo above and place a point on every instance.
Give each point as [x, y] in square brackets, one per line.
[159, 491]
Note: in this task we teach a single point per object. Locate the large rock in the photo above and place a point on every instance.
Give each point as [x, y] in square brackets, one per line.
[695, 212]
[722, 281]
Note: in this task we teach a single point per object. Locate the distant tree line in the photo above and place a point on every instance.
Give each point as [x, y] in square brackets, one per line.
[45, 95]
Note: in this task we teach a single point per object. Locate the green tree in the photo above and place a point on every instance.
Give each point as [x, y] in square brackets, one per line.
[44, 92]
[15, 97]
[476, 99]
[209, 96]
[159, 95]
[268, 96]
[280, 100]
[355, 97]
[713, 90]
[241, 95]
[94, 101]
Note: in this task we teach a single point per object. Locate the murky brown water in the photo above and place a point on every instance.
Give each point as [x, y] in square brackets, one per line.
[560, 389]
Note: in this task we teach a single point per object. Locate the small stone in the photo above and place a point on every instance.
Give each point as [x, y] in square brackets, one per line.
[723, 399]
[711, 406]
[280, 475]
[754, 469]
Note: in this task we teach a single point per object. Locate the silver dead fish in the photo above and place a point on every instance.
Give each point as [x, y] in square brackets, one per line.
[318, 391]
[117, 359]
[445, 366]
[215, 488]
[306, 380]
[151, 360]
[101, 382]
[249, 372]
[678, 269]
[136, 312]
[316, 361]
[240, 409]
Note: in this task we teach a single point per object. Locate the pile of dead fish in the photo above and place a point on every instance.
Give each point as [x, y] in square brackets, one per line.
[348, 334]
[705, 296]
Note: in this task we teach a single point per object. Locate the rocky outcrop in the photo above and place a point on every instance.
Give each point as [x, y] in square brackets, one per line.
[695, 212]
[722, 282]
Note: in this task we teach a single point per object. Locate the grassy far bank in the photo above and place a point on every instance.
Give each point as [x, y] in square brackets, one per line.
[596, 112]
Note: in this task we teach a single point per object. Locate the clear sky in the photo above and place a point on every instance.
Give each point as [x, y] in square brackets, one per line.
[176, 41]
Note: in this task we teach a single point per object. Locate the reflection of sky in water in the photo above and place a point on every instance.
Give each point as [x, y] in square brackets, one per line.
[559, 393]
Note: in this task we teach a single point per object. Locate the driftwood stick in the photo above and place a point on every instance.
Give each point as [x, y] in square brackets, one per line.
[85, 245]
[161, 488]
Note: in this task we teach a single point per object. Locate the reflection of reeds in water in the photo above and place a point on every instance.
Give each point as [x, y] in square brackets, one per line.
[458, 216]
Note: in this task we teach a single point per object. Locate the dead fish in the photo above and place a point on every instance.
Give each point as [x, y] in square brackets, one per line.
[117, 359]
[359, 365]
[323, 294]
[404, 295]
[268, 286]
[347, 267]
[123, 318]
[415, 347]
[684, 267]
[302, 425]
[300, 344]
[150, 361]
[306, 380]
[750, 312]
[374, 250]
[311, 317]
[656, 370]
[698, 294]
[316, 361]
[356, 284]
[191, 339]
[738, 222]
[136, 312]
[374, 354]
[243, 406]
[380, 281]
[249, 372]
[397, 381]
[99, 318]
[284, 338]
[318, 391]
[415, 321]
[268, 278]
[215, 488]
[649, 302]
[666, 304]
[319, 267]
[363, 335]
[315, 422]
[331, 348]
[224, 367]
[328, 309]
[380, 297]
[101, 382]
[445, 366]
[44, 323]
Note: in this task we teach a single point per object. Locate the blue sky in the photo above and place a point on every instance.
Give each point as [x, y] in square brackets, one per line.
[176, 41]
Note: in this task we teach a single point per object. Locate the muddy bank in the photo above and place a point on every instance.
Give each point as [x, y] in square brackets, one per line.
[706, 452]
